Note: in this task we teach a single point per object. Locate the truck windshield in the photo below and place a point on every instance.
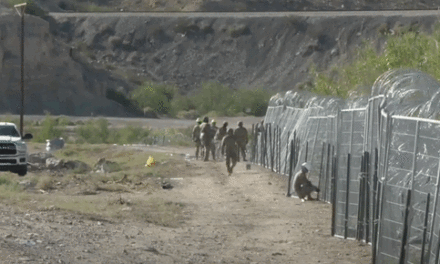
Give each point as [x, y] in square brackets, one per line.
[9, 131]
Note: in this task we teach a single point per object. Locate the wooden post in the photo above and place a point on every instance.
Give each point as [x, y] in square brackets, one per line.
[347, 197]
[405, 228]
[425, 228]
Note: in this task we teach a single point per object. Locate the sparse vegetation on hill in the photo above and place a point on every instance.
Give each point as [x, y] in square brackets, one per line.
[233, 6]
[406, 48]
[211, 97]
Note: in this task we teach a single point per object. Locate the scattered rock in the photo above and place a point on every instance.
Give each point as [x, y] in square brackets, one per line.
[167, 186]
[106, 166]
[77, 165]
[39, 158]
[54, 164]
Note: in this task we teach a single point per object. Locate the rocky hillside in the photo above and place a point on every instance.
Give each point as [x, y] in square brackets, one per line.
[235, 5]
[272, 52]
[74, 63]
[54, 82]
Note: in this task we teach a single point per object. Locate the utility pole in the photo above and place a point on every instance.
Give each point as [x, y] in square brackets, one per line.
[21, 11]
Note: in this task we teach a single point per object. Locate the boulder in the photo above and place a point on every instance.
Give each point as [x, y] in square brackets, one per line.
[105, 166]
[54, 164]
[76, 165]
[39, 158]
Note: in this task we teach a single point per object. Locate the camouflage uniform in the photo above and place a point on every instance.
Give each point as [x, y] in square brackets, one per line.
[230, 145]
[196, 138]
[214, 129]
[221, 133]
[241, 136]
[206, 139]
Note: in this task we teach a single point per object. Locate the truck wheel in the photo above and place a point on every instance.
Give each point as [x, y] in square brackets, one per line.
[22, 170]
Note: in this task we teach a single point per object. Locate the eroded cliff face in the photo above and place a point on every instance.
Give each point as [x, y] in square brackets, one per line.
[238, 50]
[54, 82]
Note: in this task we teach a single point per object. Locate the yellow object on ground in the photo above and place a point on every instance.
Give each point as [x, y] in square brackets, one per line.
[150, 162]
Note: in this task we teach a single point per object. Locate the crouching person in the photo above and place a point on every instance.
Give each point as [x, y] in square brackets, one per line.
[302, 186]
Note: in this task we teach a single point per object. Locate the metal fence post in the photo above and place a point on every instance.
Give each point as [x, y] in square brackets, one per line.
[289, 182]
[367, 198]
[360, 200]
[425, 228]
[333, 196]
[405, 229]
[287, 151]
[412, 187]
[320, 169]
[347, 196]
[253, 143]
[437, 186]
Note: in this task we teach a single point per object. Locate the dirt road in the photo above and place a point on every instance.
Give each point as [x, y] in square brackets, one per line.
[243, 218]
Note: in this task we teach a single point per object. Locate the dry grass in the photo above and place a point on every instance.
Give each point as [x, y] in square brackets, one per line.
[118, 195]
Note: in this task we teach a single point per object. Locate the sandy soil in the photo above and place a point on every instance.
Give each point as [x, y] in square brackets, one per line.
[243, 218]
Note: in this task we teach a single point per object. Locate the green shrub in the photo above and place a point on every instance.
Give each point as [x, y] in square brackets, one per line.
[49, 130]
[94, 132]
[156, 96]
[132, 135]
[185, 26]
[410, 50]
[238, 31]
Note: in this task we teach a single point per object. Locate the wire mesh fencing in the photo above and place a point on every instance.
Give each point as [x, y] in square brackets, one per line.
[379, 171]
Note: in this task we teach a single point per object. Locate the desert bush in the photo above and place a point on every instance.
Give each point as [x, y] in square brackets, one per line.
[208, 30]
[238, 31]
[156, 96]
[49, 130]
[410, 50]
[115, 41]
[94, 132]
[383, 29]
[130, 135]
[191, 114]
[185, 26]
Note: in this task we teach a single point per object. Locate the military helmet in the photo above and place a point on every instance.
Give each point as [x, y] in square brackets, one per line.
[225, 124]
[205, 119]
[240, 123]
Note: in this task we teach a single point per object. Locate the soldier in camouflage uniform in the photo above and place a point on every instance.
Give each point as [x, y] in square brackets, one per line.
[229, 144]
[206, 137]
[196, 136]
[241, 136]
[221, 133]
